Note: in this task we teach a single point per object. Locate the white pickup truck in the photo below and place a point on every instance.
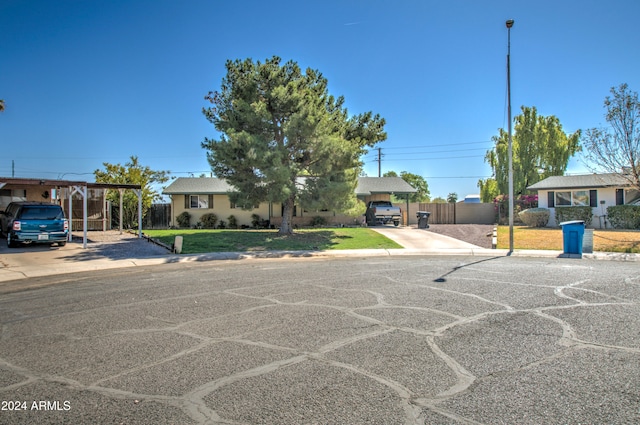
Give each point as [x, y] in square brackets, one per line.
[382, 212]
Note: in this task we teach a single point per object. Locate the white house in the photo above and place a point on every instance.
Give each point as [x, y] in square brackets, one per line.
[598, 191]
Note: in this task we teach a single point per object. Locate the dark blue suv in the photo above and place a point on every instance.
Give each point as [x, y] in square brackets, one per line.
[34, 222]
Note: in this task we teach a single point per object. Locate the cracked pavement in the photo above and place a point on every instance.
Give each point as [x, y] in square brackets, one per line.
[388, 340]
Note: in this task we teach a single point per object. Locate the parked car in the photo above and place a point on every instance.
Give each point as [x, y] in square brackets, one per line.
[382, 212]
[34, 222]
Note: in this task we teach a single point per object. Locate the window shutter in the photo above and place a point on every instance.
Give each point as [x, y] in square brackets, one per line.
[619, 197]
[210, 203]
[187, 202]
[593, 198]
[551, 199]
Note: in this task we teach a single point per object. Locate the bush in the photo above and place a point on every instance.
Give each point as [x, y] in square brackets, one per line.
[222, 225]
[184, 219]
[624, 216]
[535, 217]
[574, 213]
[255, 221]
[233, 222]
[318, 221]
[209, 220]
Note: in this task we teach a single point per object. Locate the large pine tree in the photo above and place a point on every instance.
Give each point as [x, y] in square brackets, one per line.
[284, 138]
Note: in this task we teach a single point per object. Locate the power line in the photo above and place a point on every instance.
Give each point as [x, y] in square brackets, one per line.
[439, 145]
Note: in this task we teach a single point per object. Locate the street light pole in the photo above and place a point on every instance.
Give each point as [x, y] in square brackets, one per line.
[510, 151]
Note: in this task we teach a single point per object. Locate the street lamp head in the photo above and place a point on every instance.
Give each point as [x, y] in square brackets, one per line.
[509, 23]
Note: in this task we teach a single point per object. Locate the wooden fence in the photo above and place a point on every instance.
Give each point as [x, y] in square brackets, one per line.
[458, 213]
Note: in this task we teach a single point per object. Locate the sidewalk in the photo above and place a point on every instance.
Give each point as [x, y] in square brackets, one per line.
[72, 258]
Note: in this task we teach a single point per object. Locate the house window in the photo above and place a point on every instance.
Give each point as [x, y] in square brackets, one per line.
[632, 196]
[563, 199]
[576, 198]
[580, 198]
[198, 201]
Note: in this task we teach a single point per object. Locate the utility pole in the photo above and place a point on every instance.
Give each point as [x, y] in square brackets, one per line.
[13, 168]
[379, 162]
[510, 147]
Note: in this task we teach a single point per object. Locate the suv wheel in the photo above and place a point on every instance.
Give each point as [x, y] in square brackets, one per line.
[10, 242]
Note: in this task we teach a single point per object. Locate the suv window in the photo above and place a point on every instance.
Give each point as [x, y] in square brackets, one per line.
[41, 212]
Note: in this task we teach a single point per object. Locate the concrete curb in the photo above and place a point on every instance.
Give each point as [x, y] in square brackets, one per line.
[22, 272]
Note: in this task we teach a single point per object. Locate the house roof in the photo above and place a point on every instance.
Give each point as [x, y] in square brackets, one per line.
[371, 185]
[212, 185]
[584, 181]
[198, 186]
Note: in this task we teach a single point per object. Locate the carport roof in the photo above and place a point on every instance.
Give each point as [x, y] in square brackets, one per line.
[372, 185]
[11, 181]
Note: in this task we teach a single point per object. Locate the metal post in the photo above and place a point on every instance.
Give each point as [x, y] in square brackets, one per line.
[510, 151]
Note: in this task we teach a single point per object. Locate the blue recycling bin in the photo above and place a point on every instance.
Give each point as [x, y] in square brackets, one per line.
[572, 234]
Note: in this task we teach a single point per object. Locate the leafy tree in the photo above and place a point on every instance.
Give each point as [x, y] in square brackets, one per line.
[439, 200]
[279, 124]
[488, 189]
[617, 150]
[131, 173]
[1, 105]
[452, 198]
[417, 182]
[540, 149]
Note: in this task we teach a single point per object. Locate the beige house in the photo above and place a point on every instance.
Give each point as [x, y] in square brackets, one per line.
[598, 191]
[201, 195]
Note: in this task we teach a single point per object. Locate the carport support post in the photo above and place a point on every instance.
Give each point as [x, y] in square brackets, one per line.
[83, 191]
[120, 214]
[70, 194]
[138, 192]
[407, 223]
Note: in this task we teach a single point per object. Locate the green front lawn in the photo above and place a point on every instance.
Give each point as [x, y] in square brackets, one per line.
[196, 241]
[549, 238]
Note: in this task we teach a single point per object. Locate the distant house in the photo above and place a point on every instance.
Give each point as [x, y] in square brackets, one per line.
[598, 191]
[202, 195]
[472, 199]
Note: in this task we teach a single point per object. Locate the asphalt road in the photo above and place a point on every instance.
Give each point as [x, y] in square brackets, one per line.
[384, 340]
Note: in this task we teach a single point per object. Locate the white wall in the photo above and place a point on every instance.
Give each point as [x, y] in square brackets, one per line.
[607, 194]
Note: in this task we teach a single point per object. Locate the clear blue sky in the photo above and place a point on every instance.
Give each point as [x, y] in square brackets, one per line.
[87, 82]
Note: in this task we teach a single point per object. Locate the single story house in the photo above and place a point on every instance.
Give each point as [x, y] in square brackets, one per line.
[598, 191]
[202, 195]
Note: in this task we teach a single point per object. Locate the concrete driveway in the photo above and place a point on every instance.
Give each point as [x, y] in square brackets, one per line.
[413, 238]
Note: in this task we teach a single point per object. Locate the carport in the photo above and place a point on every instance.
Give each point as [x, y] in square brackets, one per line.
[40, 190]
[381, 189]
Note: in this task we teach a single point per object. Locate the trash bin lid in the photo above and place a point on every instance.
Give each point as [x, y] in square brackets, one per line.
[565, 223]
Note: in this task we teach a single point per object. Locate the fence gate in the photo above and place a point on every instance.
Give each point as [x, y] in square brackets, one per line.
[158, 217]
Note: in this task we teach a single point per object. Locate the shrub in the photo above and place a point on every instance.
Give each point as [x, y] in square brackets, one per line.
[222, 225]
[209, 220]
[318, 221]
[233, 222]
[624, 216]
[184, 219]
[535, 217]
[255, 221]
[574, 213]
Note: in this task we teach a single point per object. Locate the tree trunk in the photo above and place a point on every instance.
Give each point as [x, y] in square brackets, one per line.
[286, 227]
